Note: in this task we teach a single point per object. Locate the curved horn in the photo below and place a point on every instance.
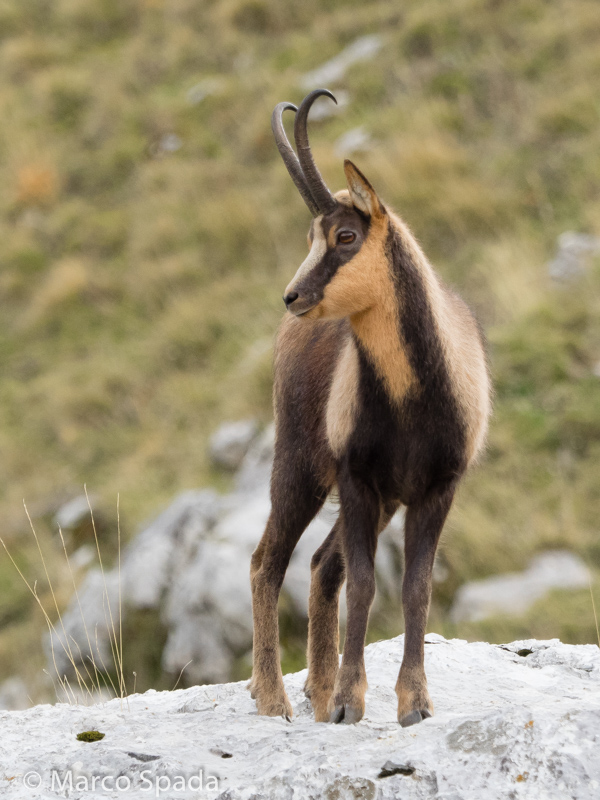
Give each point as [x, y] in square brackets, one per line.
[323, 197]
[290, 159]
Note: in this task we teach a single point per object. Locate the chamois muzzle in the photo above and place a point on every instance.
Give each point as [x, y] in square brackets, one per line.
[302, 167]
[290, 298]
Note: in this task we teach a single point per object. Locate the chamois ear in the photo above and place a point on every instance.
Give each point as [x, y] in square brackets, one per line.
[362, 193]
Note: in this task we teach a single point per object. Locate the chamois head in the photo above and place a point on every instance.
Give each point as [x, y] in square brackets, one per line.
[339, 277]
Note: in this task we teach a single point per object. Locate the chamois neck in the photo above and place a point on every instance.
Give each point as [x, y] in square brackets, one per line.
[400, 331]
[378, 332]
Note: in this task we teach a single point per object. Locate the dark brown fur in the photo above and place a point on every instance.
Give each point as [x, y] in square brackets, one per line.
[412, 408]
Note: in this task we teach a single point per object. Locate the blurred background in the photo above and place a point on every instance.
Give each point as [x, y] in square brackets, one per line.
[147, 229]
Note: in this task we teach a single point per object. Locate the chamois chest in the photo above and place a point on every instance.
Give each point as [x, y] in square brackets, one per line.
[343, 401]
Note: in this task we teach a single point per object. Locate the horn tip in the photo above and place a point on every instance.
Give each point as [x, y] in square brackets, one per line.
[324, 93]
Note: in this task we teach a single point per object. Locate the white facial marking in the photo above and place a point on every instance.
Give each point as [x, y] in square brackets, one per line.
[317, 251]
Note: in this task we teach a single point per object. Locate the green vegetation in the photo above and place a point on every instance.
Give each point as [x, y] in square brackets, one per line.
[146, 236]
[90, 736]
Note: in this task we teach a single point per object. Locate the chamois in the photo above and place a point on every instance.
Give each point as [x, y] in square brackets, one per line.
[381, 391]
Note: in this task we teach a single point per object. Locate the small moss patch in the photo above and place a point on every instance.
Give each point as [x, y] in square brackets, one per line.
[90, 736]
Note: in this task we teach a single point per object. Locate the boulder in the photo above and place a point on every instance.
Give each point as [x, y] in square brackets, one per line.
[229, 444]
[365, 48]
[572, 253]
[192, 565]
[506, 726]
[516, 592]
[13, 694]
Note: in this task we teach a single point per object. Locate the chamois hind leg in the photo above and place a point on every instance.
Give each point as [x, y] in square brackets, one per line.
[296, 498]
[327, 576]
[423, 526]
[361, 513]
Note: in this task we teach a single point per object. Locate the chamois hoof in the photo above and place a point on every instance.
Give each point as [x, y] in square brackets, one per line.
[275, 708]
[347, 714]
[414, 717]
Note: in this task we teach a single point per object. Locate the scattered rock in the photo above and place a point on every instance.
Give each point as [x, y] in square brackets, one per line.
[255, 470]
[323, 108]
[13, 695]
[515, 592]
[353, 141]
[230, 443]
[205, 88]
[364, 48]
[83, 638]
[165, 545]
[170, 143]
[75, 521]
[143, 757]
[82, 557]
[499, 719]
[192, 565]
[573, 251]
[75, 513]
[393, 768]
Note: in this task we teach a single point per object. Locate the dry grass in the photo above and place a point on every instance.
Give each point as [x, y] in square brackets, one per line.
[89, 679]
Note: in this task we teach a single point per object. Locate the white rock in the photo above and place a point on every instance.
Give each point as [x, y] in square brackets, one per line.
[205, 88]
[192, 563]
[230, 443]
[514, 593]
[255, 469]
[353, 141]
[86, 626]
[77, 511]
[572, 252]
[364, 48]
[195, 644]
[149, 567]
[151, 559]
[323, 107]
[505, 727]
[13, 694]
[82, 557]
[170, 143]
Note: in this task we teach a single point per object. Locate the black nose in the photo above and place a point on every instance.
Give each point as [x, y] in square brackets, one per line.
[289, 298]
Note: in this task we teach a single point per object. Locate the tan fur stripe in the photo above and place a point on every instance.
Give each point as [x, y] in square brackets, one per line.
[465, 359]
[364, 284]
[342, 405]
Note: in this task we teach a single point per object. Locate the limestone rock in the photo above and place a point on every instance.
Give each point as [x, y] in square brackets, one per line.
[229, 444]
[13, 694]
[573, 251]
[515, 592]
[356, 140]
[505, 726]
[364, 48]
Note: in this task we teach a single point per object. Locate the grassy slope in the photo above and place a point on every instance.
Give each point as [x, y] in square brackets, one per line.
[140, 290]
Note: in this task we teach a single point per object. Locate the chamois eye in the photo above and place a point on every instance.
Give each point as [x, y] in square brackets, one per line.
[346, 237]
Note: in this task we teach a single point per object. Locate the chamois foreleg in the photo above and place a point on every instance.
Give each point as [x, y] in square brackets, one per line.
[423, 526]
[327, 576]
[296, 498]
[361, 515]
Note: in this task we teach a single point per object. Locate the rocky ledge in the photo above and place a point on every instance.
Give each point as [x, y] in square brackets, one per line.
[517, 720]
